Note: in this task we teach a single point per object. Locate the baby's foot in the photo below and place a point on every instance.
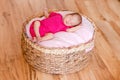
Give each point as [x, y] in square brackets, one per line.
[39, 39]
[34, 39]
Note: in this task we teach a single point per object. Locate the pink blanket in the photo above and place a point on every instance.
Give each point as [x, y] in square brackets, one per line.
[66, 39]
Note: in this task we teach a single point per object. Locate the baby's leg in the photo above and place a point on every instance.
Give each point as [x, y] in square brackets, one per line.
[36, 29]
[47, 37]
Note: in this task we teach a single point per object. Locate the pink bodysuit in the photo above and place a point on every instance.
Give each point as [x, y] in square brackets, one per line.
[52, 24]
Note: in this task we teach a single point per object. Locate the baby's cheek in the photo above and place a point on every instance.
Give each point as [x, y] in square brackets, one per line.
[73, 23]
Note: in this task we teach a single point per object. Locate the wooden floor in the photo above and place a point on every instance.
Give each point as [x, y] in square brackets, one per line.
[105, 63]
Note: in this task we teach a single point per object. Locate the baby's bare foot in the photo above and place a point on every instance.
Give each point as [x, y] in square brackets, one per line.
[34, 39]
[39, 39]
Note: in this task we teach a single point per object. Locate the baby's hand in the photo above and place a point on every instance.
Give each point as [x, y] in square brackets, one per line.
[45, 9]
[73, 29]
[46, 12]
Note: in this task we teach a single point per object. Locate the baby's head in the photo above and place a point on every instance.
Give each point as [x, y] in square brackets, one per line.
[72, 19]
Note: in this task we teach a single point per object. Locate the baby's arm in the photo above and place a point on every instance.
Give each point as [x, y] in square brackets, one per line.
[73, 29]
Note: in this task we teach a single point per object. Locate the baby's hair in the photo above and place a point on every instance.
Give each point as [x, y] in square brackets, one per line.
[79, 17]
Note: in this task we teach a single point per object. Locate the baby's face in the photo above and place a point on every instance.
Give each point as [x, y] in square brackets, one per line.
[70, 20]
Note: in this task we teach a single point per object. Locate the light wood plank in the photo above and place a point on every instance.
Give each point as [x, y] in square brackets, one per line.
[105, 63]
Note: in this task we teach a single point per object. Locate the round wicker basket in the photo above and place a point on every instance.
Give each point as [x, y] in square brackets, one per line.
[56, 60]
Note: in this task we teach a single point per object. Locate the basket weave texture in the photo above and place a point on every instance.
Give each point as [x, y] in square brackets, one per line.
[56, 60]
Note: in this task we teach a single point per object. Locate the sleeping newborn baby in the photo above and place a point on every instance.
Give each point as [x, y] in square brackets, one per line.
[41, 30]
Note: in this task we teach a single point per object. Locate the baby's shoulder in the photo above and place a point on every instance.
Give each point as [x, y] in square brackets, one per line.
[53, 14]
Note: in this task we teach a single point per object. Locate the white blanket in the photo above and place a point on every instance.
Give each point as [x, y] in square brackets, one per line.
[66, 39]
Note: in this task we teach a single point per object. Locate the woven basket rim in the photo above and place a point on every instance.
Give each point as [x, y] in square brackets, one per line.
[37, 46]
